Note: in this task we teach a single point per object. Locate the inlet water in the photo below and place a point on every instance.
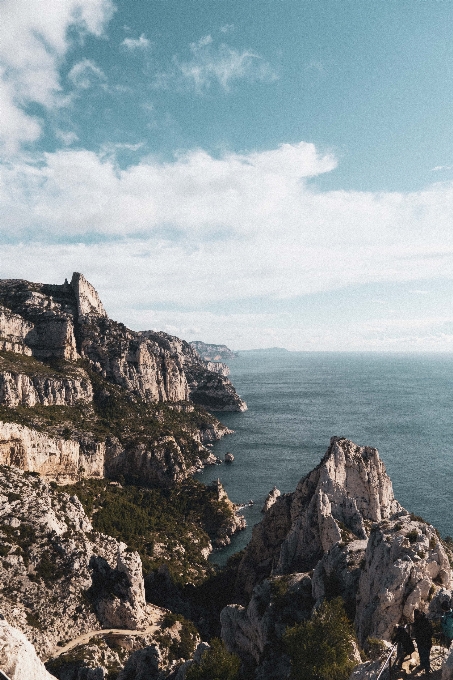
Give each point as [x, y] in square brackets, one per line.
[402, 404]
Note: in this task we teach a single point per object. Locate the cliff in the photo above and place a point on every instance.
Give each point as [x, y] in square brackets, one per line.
[341, 533]
[51, 557]
[69, 322]
[215, 353]
[82, 395]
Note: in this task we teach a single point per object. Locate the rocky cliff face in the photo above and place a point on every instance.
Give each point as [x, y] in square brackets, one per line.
[62, 460]
[100, 384]
[347, 491]
[214, 353]
[59, 578]
[69, 322]
[18, 658]
[19, 389]
[341, 533]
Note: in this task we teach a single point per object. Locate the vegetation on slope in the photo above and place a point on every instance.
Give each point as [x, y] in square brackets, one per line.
[215, 664]
[322, 648]
[113, 413]
[166, 526]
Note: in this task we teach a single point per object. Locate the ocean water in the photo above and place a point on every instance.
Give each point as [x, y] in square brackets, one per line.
[402, 404]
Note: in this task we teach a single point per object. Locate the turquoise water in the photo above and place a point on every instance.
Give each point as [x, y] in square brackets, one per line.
[401, 404]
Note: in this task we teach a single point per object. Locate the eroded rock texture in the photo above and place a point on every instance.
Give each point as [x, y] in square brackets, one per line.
[348, 490]
[18, 658]
[69, 322]
[344, 530]
[60, 579]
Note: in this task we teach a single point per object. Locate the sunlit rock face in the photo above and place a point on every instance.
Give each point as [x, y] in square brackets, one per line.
[18, 657]
[63, 578]
[347, 491]
[69, 322]
[343, 533]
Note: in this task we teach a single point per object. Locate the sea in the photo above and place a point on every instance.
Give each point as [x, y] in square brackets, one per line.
[402, 404]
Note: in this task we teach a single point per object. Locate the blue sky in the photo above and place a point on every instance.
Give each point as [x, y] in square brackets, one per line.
[254, 172]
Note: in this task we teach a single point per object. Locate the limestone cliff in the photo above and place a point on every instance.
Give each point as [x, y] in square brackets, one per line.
[348, 490]
[18, 658]
[101, 385]
[69, 322]
[341, 533]
[214, 353]
[60, 579]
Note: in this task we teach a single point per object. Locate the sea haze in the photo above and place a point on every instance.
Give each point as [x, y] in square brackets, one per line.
[399, 403]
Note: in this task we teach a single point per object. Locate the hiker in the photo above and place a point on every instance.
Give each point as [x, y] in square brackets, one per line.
[446, 622]
[422, 632]
[405, 645]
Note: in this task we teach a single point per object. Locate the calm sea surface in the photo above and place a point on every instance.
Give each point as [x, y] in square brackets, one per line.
[401, 404]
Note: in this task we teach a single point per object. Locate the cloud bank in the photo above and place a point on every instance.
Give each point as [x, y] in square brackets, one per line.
[33, 45]
[201, 231]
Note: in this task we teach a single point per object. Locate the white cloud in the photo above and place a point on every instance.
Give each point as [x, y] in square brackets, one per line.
[85, 74]
[201, 230]
[33, 43]
[210, 64]
[141, 43]
[66, 136]
[439, 168]
[76, 191]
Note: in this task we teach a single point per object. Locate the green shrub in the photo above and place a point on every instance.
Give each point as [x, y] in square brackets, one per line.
[412, 536]
[374, 648]
[33, 620]
[188, 637]
[181, 517]
[322, 648]
[216, 664]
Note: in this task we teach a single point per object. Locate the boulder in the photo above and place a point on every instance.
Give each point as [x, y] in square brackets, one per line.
[270, 499]
[18, 658]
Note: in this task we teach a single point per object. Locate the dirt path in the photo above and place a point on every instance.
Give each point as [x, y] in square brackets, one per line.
[411, 666]
[86, 637]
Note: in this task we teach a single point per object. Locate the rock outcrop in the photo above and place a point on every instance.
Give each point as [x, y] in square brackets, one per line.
[18, 658]
[67, 460]
[60, 579]
[216, 353]
[405, 564]
[342, 533]
[254, 632]
[62, 460]
[235, 521]
[69, 322]
[218, 367]
[271, 498]
[347, 491]
[18, 389]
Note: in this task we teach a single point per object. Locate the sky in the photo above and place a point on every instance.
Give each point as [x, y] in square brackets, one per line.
[255, 173]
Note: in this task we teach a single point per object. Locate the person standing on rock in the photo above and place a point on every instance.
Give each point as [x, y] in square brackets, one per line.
[422, 632]
[446, 622]
[405, 645]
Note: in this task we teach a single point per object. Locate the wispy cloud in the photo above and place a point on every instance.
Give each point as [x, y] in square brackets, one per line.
[67, 137]
[33, 44]
[132, 44]
[316, 65]
[86, 74]
[438, 168]
[211, 64]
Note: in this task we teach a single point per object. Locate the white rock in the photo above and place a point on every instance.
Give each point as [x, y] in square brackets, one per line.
[270, 499]
[18, 657]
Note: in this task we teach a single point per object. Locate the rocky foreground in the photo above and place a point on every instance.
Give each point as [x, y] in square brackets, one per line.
[341, 533]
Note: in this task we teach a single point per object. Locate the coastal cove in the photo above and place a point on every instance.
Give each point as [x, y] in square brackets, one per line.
[399, 403]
